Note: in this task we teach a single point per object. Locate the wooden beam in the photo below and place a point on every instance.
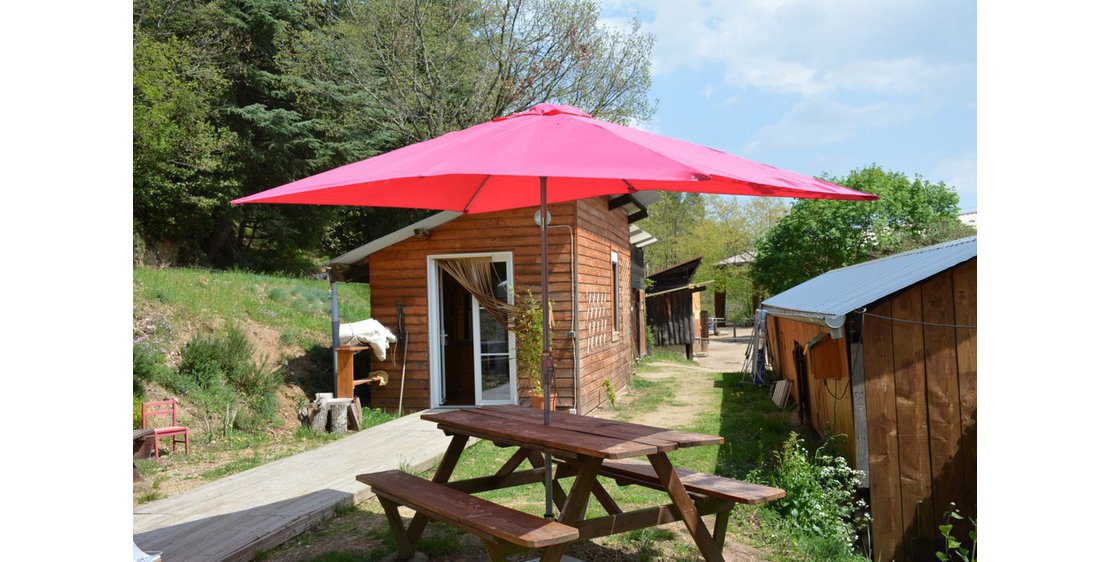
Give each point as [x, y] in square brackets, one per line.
[619, 202]
[645, 518]
[488, 483]
[859, 411]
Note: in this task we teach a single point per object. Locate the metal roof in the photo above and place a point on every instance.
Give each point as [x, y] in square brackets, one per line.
[639, 237]
[743, 258]
[359, 254]
[825, 299]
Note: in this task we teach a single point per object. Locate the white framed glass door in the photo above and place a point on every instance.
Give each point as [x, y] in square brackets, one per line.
[472, 359]
[494, 369]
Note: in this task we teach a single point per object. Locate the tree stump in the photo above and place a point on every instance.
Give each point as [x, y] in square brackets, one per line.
[337, 411]
[318, 417]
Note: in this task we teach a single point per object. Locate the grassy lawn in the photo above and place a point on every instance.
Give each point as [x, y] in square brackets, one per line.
[752, 426]
[296, 307]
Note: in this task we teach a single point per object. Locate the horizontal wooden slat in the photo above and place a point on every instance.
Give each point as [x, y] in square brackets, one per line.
[468, 512]
[613, 428]
[530, 433]
[699, 482]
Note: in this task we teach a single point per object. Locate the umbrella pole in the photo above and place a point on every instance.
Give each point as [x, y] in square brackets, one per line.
[545, 363]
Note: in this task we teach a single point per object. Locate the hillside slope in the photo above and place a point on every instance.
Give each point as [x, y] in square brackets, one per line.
[287, 324]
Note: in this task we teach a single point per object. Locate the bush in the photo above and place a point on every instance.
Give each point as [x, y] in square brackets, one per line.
[820, 495]
[147, 365]
[220, 376]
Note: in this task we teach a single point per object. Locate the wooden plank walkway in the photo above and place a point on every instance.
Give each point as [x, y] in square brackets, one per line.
[236, 517]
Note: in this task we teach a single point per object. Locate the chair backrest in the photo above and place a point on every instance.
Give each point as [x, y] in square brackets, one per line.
[160, 408]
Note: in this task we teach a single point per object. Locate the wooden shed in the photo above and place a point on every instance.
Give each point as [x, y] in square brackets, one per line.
[884, 353]
[674, 306]
[457, 355]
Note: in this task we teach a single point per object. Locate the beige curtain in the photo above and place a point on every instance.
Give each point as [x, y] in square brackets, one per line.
[476, 276]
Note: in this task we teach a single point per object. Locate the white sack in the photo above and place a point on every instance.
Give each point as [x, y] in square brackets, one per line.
[367, 332]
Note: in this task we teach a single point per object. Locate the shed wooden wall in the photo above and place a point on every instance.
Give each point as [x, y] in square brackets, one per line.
[920, 394]
[920, 388]
[399, 274]
[605, 353]
[671, 317]
[830, 399]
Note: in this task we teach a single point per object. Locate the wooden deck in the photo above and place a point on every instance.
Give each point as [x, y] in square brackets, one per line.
[236, 517]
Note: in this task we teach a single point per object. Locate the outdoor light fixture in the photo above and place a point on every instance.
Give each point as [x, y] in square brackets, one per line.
[422, 233]
[536, 218]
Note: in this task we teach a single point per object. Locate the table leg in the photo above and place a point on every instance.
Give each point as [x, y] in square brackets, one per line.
[668, 477]
[442, 475]
[575, 507]
[720, 527]
[405, 549]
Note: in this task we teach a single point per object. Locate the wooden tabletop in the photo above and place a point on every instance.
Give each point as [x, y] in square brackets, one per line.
[580, 435]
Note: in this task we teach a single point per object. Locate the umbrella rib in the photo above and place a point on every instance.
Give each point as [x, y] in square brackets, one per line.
[466, 208]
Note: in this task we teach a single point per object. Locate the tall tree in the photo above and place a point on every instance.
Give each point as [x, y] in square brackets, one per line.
[818, 235]
[394, 72]
[236, 96]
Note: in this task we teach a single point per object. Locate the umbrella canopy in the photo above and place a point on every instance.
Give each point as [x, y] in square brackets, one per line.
[548, 154]
[493, 166]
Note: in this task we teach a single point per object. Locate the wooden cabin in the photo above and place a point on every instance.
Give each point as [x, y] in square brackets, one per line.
[884, 353]
[674, 306]
[456, 354]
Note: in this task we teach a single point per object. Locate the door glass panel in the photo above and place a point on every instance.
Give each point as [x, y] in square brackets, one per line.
[496, 377]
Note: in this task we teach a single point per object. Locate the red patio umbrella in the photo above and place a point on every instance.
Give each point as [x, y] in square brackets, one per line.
[548, 154]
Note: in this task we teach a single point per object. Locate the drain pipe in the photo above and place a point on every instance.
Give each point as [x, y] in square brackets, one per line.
[334, 294]
[574, 308]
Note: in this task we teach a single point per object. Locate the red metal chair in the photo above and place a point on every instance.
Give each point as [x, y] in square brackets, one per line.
[178, 433]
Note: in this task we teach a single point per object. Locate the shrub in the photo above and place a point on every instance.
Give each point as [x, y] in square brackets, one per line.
[221, 377]
[954, 548]
[147, 365]
[820, 494]
[527, 325]
[136, 412]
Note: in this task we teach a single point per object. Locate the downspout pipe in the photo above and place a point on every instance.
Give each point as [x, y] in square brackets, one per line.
[334, 294]
[574, 309]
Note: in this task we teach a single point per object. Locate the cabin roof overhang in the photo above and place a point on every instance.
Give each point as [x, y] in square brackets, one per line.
[351, 266]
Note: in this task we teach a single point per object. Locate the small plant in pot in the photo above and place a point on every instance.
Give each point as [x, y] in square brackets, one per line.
[527, 325]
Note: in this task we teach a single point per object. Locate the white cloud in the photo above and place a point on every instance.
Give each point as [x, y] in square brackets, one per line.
[818, 122]
[960, 173]
[802, 47]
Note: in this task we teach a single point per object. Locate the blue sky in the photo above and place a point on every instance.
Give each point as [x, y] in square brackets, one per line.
[818, 86]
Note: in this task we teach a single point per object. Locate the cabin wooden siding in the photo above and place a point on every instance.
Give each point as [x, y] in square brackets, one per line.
[398, 273]
[828, 379]
[605, 354]
[920, 392]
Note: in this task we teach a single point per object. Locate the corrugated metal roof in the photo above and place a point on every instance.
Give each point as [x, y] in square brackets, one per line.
[829, 296]
[639, 237]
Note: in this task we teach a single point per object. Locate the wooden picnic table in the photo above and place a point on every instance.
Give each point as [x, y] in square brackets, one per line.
[585, 448]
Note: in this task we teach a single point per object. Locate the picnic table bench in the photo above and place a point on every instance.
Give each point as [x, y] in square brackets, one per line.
[501, 528]
[584, 449]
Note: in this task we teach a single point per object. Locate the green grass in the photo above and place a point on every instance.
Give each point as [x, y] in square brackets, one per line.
[297, 307]
[744, 415]
[659, 355]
